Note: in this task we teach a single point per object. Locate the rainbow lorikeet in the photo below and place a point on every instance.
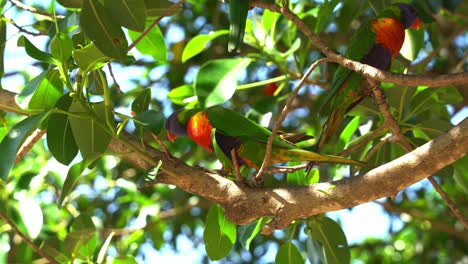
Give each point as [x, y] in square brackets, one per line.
[375, 43]
[222, 130]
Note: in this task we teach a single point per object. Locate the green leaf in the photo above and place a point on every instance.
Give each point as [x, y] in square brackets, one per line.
[238, 15]
[157, 7]
[348, 132]
[461, 173]
[82, 240]
[71, 3]
[152, 44]
[98, 25]
[288, 254]
[324, 15]
[48, 91]
[96, 82]
[103, 251]
[124, 260]
[14, 139]
[331, 237]
[61, 47]
[219, 235]
[182, 95]
[216, 80]
[90, 58]
[34, 52]
[142, 101]
[90, 135]
[151, 120]
[73, 175]
[414, 41]
[302, 178]
[60, 139]
[248, 232]
[128, 13]
[198, 44]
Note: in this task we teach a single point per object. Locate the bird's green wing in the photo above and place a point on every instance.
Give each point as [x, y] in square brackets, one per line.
[360, 45]
[234, 124]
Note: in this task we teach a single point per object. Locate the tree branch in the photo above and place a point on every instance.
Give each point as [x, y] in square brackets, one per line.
[243, 204]
[366, 70]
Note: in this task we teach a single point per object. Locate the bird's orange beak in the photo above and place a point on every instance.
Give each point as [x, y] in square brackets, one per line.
[171, 136]
[416, 24]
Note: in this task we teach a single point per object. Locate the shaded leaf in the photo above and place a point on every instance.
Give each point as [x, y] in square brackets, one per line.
[128, 13]
[11, 143]
[151, 120]
[219, 235]
[90, 135]
[238, 15]
[98, 25]
[142, 101]
[60, 140]
[157, 7]
[331, 237]
[288, 254]
[73, 175]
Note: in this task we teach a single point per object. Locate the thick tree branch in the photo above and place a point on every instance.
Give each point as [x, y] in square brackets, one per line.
[285, 204]
[366, 70]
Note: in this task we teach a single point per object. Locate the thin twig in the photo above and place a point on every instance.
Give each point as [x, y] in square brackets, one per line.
[282, 116]
[284, 169]
[163, 147]
[29, 143]
[366, 70]
[27, 240]
[416, 214]
[404, 143]
[363, 140]
[117, 86]
[168, 12]
[21, 29]
[236, 166]
[34, 10]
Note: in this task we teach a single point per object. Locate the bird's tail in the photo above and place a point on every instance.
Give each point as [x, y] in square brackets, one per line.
[285, 155]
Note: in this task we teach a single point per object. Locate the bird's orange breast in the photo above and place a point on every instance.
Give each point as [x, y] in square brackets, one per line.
[199, 130]
[390, 33]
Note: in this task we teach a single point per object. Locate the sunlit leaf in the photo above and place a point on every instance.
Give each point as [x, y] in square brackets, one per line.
[182, 95]
[34, 52]
[48, 91]
[248, 232]
[216, 80]
[199, 43]
[414, 41]
[152, 44]
[90, 58]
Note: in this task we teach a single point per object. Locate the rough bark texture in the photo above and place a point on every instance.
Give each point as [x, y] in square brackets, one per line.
[243, 204]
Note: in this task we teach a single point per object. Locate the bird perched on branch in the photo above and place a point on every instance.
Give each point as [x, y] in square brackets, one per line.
[222, 130]
[375, 43]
